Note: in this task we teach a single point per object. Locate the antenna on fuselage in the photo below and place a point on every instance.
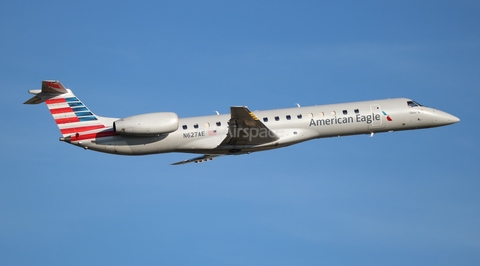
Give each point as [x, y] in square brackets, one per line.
[217, 112]
[298, 105]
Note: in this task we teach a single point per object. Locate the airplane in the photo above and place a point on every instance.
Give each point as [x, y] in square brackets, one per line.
[240, 132]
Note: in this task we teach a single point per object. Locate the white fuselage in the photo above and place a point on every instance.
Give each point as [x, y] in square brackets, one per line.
[203, 134]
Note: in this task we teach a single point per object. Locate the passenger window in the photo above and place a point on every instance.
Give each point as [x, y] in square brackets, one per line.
[184, 127]
[356, 111]
[345, 112]
[310, 115]
[299, 116]
[321, 114]
[219, 124]
[277, 118]
[333, 113]
[289, 117]
[195, 126]
[265, 119]
[207, 124]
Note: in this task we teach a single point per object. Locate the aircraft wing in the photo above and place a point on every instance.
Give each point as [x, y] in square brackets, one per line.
[245, 129]
[204, 158]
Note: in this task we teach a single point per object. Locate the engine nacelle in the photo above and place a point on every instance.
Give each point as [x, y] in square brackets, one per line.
[147, 124]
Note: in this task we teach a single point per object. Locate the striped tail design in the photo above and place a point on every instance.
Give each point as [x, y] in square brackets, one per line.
[70, 114]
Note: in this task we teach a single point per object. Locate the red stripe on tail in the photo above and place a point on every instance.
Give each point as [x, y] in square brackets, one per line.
[80, 129]
[52, 101]
[61, 110]
[93, 135]
[67, 120]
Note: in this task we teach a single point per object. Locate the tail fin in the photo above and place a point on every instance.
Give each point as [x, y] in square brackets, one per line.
[70, 114]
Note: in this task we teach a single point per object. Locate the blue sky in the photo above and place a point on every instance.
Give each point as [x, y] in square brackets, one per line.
[403, 198]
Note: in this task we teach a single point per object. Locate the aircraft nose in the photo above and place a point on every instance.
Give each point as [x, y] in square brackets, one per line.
[454, 119]
[444, 118]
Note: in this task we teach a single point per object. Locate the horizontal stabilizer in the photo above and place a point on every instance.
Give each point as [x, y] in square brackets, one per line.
[34, 100]
[50, 89]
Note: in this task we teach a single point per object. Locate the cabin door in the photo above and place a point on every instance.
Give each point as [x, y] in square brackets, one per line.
[377, 116]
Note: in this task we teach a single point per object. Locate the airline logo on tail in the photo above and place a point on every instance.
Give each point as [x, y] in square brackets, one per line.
[72, 116]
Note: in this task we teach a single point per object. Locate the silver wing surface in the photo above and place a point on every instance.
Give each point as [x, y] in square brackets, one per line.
[245, 129]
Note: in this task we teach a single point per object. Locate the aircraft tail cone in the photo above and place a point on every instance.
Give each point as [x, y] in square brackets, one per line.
[66, 139]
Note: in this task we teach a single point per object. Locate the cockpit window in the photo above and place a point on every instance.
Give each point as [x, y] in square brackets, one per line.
[413, 104]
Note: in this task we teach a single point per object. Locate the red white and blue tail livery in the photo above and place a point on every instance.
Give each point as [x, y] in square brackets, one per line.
[239, 132]
[72, 117]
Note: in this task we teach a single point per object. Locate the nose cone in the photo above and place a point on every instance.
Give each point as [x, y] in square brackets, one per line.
[454, 119]
[442, 118]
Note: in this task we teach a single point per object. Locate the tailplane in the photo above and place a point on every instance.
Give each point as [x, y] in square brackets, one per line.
[70, 114]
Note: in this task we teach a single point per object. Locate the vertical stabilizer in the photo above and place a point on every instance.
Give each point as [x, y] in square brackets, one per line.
[70, 114]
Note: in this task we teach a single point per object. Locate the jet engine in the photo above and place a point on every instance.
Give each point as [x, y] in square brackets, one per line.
[147, 124]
